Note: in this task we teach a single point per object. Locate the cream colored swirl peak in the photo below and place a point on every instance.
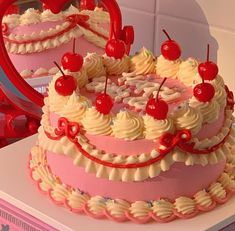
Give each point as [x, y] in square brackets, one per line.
[143, 63]
[116, 66]
[156, 128]
[94, 65]
[127, 126]
[167, 68]
[96, 123]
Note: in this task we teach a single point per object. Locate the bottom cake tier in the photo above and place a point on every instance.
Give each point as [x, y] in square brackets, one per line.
[181, 192]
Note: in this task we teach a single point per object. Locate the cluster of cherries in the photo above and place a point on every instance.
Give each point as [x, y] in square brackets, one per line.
[156, 107]
[65, 85]
[208, 70]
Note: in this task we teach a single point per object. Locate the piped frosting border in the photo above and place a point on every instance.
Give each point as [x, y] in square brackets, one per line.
[162, 210]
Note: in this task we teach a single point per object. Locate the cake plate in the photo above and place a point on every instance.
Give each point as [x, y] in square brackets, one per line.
[23, 207]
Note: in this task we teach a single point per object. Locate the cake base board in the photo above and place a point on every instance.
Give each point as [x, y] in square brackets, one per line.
[18, 189]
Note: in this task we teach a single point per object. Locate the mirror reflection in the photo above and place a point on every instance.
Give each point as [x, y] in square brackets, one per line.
[35, 38]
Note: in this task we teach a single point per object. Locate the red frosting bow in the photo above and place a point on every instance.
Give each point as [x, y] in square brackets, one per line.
[79, 19]
[69, 129]
[169, 141]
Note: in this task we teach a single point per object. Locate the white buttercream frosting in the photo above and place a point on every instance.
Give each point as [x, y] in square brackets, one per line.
[47, 15]
[117, 208]
[167, 68]
[188, 70]
[127, 126]
[209, 110]
[56, 101]
[94, 65]
[143, 63]
[217, 190]
[156, 128]
[80, 76]
[185, 205]
[140, 209]
[96, 123]
[187, 117]
[12, 20]
[75, 108]
[97, 204]
[30, 16]
[77, 200]
[163, 208]
[116, 66]
[202, 198]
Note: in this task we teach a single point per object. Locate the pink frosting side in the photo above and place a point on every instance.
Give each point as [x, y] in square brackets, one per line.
[212, 129]
[46, 58]
[180, 180]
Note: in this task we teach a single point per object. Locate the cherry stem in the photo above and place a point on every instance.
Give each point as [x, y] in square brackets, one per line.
[208, 52]
[159, 89]
[106, 85]
[114, 33]
[74, 45]
[167, 35]
[59, 69]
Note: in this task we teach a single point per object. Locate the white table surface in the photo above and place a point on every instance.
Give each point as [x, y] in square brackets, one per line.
[17, 188]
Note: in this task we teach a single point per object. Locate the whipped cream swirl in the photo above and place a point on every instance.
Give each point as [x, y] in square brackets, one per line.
[186, 117]
[156, 128]
[127, 126]
[142, 63]
[167, 68]
[30, 16]
[188, 71]
[116, 66]
[94, 65]
[96, 123]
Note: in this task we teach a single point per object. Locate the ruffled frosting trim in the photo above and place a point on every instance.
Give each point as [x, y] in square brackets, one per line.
[66, 147]
[162, 210]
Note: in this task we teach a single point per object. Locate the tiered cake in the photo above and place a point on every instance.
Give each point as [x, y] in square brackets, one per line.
[137, 138]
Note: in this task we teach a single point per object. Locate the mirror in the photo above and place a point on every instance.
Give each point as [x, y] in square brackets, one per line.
[35, 37]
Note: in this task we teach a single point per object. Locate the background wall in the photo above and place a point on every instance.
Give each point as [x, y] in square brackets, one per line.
[193, 23]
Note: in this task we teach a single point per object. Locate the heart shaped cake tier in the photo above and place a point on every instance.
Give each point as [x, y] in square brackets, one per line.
[133, 140]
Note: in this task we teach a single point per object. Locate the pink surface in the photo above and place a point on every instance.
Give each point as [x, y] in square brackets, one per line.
[46, 58]
[212, 129]
[19, 220]
[110, 144]
[180, 180]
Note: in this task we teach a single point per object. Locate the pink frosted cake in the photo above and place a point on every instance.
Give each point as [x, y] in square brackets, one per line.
[35, 39]
[137, 138]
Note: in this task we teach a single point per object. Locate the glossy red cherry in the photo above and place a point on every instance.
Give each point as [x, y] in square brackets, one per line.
[104, 102]
[87, 5]
[66, 84]
[170, 49]
[72, 61]
[115, 48]
[204, 92]
[157, 108]
[208, 70]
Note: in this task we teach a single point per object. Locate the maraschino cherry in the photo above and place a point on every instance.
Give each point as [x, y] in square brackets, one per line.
[66, 84]
[72, 61]
[208, 70]
[204, 92]
[104, 102]
[115, 47]
[170, 49]
[87, 4]
[156, 107]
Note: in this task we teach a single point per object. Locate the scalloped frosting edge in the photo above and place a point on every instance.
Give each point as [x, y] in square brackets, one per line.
[162, 210]
[65, 147]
